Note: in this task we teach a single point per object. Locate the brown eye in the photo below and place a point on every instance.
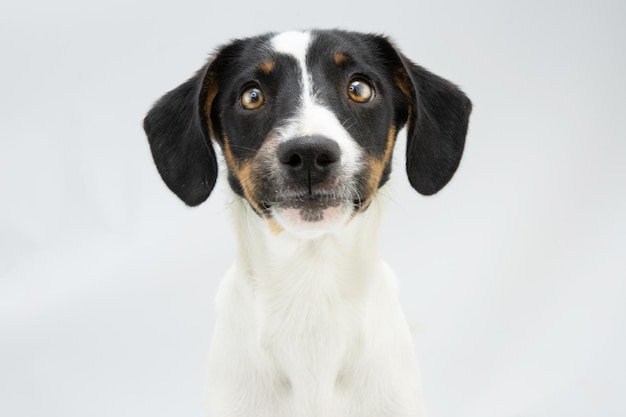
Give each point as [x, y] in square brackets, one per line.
[360, 91]
[252, 98]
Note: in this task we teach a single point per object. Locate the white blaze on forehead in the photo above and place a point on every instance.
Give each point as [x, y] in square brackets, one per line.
[292, 43]
[295, 44]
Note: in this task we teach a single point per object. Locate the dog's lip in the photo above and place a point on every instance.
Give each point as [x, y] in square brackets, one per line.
[304, 200]
[313, 201]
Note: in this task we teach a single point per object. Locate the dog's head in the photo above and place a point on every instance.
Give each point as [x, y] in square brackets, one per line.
[307, 123]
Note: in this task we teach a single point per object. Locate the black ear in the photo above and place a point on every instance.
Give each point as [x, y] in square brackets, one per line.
[437, 124]
[178, 132]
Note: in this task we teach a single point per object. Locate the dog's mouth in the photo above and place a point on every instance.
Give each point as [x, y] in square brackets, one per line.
[316, 208]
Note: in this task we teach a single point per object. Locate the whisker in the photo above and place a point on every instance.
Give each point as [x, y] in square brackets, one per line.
[242, 147]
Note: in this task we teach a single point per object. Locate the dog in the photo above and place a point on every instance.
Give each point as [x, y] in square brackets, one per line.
[308, 319]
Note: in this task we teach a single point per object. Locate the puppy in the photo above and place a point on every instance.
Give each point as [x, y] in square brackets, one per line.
[309, 323]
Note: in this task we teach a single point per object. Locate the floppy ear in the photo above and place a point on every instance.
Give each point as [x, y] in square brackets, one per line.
[437, 124]
[178, 132]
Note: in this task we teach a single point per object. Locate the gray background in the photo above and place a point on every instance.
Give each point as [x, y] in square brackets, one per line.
[515, 272]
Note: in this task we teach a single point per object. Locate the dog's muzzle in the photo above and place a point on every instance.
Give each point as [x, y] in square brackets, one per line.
[311, 187]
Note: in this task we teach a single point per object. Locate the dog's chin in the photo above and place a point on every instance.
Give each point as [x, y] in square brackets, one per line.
[311, 218]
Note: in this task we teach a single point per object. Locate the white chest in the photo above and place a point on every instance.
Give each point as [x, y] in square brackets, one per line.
[311, 329]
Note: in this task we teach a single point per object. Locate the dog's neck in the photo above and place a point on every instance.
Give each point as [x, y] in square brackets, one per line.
[310, 297]
[281, 258]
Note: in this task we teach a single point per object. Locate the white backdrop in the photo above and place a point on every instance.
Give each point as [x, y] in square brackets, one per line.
[516, 271]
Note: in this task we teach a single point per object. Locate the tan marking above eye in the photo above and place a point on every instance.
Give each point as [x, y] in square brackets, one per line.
[340, 58]
[360, 91]
[266, 67]
[243, 171]
[252, 98]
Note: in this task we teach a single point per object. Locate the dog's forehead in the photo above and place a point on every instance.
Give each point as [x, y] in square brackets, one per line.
[292, 43]
[310, 57]
[301, 44]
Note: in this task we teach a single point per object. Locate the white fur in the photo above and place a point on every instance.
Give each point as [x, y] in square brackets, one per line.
[311, 327]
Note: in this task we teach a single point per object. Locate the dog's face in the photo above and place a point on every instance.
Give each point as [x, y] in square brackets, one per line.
[307, 123]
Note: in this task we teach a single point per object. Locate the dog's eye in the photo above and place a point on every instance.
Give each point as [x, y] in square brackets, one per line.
[252, 98]
[360, 91]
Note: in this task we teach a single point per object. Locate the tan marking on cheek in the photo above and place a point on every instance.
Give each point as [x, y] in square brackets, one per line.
[266, 67]
[241, 171]
[244, 173]
[391, 141]
[340, 58]
[377, 167]
[245, 177]
[228, 155]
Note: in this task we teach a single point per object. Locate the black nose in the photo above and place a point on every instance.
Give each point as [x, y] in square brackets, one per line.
[309, 159]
